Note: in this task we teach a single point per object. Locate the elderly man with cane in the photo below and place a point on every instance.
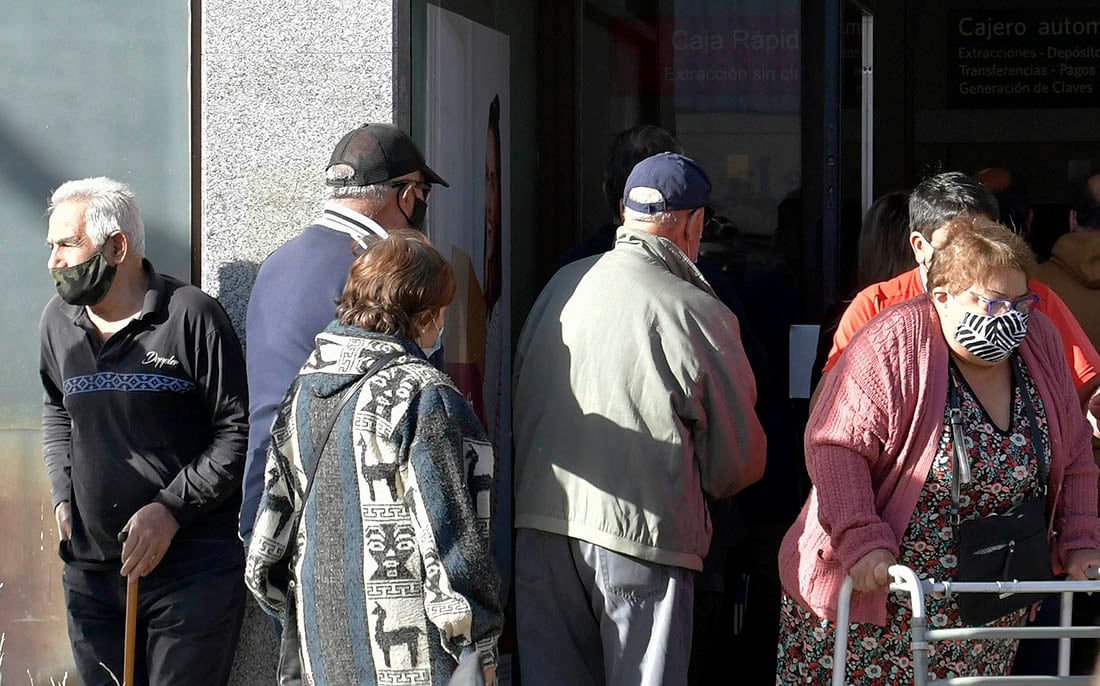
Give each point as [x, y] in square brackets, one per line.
[144, 430]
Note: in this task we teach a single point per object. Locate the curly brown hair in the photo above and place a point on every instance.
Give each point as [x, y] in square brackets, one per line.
[973, 248]
[393, 283]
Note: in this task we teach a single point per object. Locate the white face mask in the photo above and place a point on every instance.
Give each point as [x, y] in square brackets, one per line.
[434, 347]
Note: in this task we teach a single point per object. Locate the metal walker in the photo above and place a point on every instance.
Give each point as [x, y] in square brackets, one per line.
[905, 580]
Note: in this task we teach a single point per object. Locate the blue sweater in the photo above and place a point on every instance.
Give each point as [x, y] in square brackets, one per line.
[293, 299]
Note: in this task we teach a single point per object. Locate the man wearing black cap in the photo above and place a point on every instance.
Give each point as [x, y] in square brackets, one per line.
[378, 180]
[633, 400]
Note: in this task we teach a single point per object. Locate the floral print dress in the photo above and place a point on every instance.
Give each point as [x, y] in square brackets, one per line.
[1003, 473]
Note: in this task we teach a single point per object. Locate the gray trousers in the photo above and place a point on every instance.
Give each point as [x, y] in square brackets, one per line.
[587, 615]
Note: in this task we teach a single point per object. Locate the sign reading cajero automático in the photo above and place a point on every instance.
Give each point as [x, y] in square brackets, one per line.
[1024, 58]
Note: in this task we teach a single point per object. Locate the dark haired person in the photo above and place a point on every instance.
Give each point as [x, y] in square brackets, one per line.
[1073, 270]
[882, 249]
[493, 205]
[392, 579]
[627, 148]
[479, 367]
[1010, 189]
[883, 253]
[934, 202]
[377, 181]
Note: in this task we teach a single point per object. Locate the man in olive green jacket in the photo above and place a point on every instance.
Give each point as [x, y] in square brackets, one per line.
[633, 403]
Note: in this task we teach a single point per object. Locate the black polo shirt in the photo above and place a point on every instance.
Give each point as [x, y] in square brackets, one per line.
[156, 413]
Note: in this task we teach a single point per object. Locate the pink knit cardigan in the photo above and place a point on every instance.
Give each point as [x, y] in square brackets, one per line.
[871, 439]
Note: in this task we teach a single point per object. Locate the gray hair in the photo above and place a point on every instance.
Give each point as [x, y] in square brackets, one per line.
[647, 196]
[374, 194]
[657, 218]
[111, 208]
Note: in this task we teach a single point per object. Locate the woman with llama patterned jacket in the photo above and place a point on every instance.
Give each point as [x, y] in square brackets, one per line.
[391, 576]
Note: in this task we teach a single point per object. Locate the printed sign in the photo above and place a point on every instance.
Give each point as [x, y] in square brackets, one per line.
[1023, 58]
[732, 56]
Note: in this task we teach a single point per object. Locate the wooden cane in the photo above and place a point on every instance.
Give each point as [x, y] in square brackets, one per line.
[129, 640]
[131, 633]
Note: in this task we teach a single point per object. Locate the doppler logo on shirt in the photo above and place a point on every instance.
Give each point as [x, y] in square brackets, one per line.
[159, 361]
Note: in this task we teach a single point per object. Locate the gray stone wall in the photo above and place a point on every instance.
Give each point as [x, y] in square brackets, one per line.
[282, 80]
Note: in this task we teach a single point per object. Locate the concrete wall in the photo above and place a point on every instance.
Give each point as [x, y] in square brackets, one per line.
[282, 80]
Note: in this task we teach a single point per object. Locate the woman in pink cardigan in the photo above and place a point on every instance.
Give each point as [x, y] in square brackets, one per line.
[878, 449]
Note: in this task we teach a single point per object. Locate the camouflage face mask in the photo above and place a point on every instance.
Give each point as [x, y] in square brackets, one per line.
[86, 283]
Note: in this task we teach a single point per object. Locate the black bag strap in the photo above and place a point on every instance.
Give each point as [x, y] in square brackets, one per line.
[319, 449]
[1043, 464]
[290, 666]
[960, 461]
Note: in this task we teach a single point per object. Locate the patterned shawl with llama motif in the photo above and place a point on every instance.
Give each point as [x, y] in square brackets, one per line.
[391, 575]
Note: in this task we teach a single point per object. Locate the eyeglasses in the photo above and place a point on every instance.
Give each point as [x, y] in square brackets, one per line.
[424, 186]
[998, 306]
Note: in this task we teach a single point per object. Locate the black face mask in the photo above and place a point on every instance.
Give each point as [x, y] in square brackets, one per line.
[420, 209]
[86, 283]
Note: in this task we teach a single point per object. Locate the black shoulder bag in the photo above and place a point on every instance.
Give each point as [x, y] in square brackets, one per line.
[290, 665]
[1010, 546]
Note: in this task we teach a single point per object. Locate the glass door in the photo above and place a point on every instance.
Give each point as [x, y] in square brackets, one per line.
[856, 192]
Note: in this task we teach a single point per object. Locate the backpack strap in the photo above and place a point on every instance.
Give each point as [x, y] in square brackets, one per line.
[319, 450]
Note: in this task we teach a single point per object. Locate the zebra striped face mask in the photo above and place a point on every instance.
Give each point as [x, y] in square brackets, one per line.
[991, 338]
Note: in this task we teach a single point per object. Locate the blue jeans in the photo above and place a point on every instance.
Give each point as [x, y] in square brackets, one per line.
[588, 615]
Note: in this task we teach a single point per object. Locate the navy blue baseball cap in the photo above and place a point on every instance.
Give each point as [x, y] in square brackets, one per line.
[664, 182]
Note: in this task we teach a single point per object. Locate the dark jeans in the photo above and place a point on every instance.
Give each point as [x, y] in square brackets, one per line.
[189, 618]
[1086, 612]
[1039, 657]
[743, 631]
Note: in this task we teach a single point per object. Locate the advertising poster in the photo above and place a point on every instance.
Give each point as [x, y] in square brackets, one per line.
[467, 141]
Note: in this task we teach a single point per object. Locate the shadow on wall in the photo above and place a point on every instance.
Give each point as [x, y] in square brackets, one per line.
[30, 177]
[235, 281]
[257, 658]
[23, 171]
